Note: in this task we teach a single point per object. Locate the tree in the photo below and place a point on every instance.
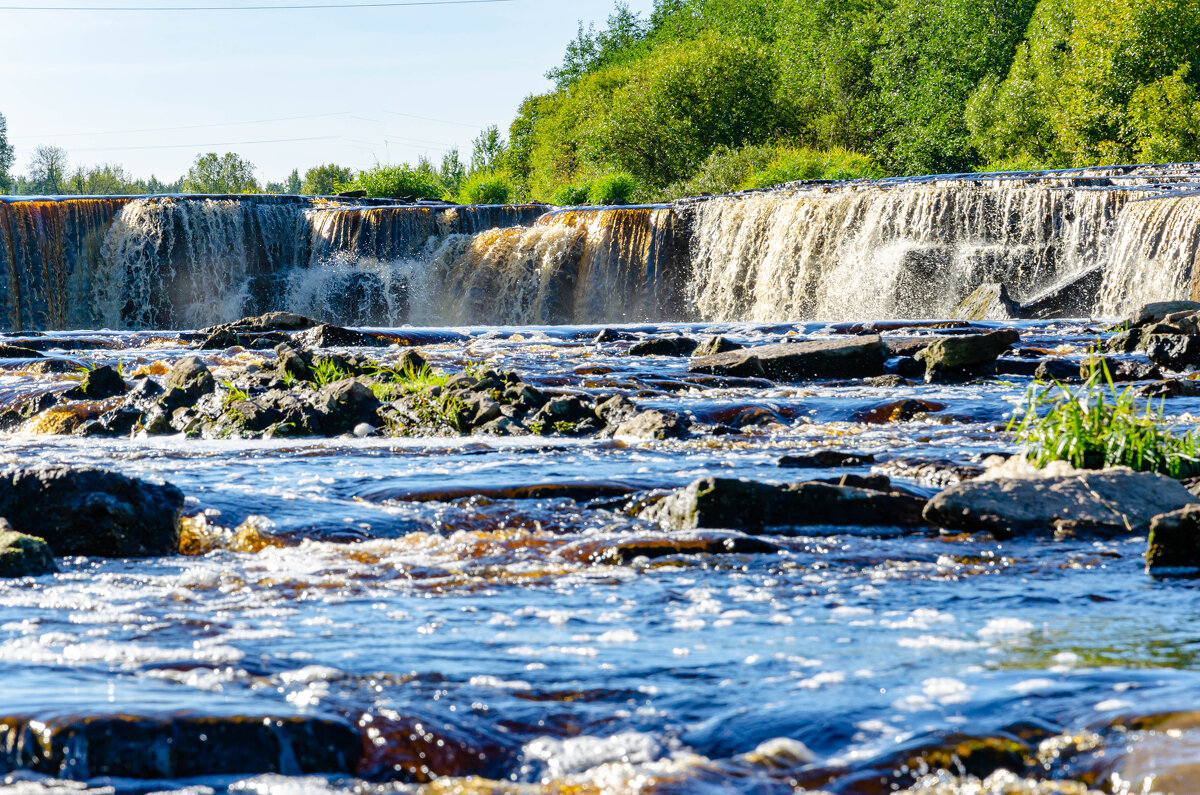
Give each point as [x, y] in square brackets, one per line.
[106, 179]
[325, 180]
[452, 173]
[48, 170]
[6, 157]
[293, 185]
[220, 174]
[488, 151]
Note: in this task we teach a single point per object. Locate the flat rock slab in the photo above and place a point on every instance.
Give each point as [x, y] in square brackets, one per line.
[92, 511]
[177, 746]
[854, 357]
[725, 503]
[1116, 499]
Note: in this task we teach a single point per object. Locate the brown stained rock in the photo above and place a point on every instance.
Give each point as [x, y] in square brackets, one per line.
[1173, 549]
[854, 357]
[899, 411]
[725, 503]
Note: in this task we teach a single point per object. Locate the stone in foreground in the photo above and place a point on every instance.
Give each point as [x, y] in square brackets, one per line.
[1017, 499]
[856, 357]
[1173, 549]
[92, 511]
[725, 503]
[964, 356]
[22, 555]
[178, 746]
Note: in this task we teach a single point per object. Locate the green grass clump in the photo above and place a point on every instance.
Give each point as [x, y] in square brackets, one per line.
[492, 187]
[1096, 427]
[616, 188]
[327, 371]
[392, 383]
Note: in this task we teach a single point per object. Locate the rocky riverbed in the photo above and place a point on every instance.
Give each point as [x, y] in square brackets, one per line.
[279, 555]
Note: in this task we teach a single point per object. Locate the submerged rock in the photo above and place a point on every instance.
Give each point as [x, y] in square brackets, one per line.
[664, 346]
[711, 346]
[178, 746]
[626, 550]
[23, 555]
[957, 357]
[1016, 498]
[326, 336]
[855, 357]
[725, 503]
[653, 424]
[17, 352]
[92, 511]
[826, 459]
[1173, 549]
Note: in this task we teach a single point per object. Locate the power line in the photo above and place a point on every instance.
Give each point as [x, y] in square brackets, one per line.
[184, 127]
[256, 8]
[204, 146]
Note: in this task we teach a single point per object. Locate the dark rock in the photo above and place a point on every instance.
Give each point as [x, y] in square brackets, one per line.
[293, 363]
[1104, 500]
[92, 511]
[97, 384]
[121, 421]
[1057, 370]
[246, 417]
[826, 459]
[567, 409]
[856, 357]
[22, 555]
[966, 355]
[1173, 549]
[144, 389]
[192, 378]
[989, 302]
[615, 409]
[482, 409]
[613, 335]
[872, 482]
[326, 336]
[157, 419]
[179, 746]
[899, 411]
[723, 503]
[938, 473]
[271, 321]
[711, 346]
[347, 403]
[664, 346]
[1173, 351]
[1124, 342]
[898, 346]
[16, 352]
[653, 424]
[1153, 313]
[653, 547]
[1073, 297]
[220, 340]
[909, 367]
[1171, 388]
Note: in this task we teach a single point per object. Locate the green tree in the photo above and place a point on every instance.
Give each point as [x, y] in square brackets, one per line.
[452, 172]
[215, 174]
[6, 157]
[48, 171]
[106, 179]
[488, 151]
[326, 180]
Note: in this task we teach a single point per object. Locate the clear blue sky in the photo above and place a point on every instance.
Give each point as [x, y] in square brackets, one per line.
[95, 82]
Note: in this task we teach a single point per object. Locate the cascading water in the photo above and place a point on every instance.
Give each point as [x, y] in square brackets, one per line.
[1115, 237]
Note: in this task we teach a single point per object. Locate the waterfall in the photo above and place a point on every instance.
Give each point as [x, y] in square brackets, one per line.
[899, 248]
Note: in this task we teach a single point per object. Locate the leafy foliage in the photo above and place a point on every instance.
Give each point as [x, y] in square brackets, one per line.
[325, 180]
[618, 188]
[6, 156]
[1096, 427]
[489, 187]
[399, 182]
[228, 173]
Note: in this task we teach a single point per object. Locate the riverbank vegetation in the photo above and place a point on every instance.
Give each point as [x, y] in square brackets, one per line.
[708, 96]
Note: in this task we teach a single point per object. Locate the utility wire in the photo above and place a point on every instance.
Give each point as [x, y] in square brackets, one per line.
[256, 8]
[172, 129]
[204, 146]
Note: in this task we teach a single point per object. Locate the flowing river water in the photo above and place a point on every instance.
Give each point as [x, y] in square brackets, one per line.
[481, 635]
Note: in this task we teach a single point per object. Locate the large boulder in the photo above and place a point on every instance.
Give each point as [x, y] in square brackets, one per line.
[187, 381]
[653, 425]
[664, 346]
[92, 511]
[22, 555]
[271, 321]
[725, 503]
[1173, 549]
[1017, 499]
[347, 403]
[965, 355]
[853, 357]
[326, 336]
[178, 746]
[1154, 312]
[990, 301]
[97, 384]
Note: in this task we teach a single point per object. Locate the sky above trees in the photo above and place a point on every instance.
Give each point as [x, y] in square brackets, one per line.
[284, 88]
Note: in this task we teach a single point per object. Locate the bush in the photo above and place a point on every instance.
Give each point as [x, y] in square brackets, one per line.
[398, 182]
[1096, 427]
[616, 188]
[793, 164]
[493, 187]
[572, 195]
[725, 170]
[1023, 162]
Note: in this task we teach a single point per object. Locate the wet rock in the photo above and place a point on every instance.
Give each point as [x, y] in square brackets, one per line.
[1173, 351]
[899, 411]
[121, 421]
[939, 473]
[653, 547]
[1154, 312]
[1173, 549]
[179, 746]
[562, 412]
[293, 364]
[1057, 370]
[97, 384]
[186, 382]
[143, 390]
[1072, 297]
[92, 511]
[711, 346]
[616, 409]
[271, 321]
[826, 459]
[664, 346]
[613, 335]
[220, 340]
[1018, 499]
[1119, 370]
[61, 420]
[22, 555]
[17, 352]
[902, 346]
[13, 419]
[1171, 388]
[482, 409]
[856, 357]
[957, 357]
[724, 503]
[347, 403]
[989, 302]
[326, 336]
[652, 425]
[891, 381]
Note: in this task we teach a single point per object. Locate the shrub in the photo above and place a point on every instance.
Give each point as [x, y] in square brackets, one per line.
[793, 164]
[398, 182]
[618, 188]
[725, 170]
[1021, 162]
[491, 187]
[1096, 427]
[572, 195]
